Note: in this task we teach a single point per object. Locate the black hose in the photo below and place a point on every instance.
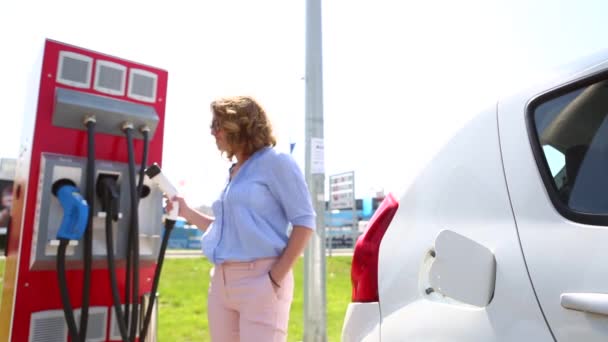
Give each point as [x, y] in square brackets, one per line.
[63, 289]
[140, 184]
[112, 268]
[169, 224]
[88, 235]
[144, 160]
[128, 279]
[135, 234]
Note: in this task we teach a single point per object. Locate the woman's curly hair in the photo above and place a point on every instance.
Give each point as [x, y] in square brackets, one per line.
[244, 122]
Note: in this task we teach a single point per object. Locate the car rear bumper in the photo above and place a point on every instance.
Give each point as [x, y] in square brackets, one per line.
[362, 323]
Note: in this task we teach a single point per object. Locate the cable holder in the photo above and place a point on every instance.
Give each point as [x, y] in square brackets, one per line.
[89, 118]
[127, 125]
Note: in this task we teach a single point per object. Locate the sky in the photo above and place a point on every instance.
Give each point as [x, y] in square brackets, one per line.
[400, 77]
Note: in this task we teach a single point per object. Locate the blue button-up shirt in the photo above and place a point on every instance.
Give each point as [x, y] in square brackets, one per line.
[253, 212]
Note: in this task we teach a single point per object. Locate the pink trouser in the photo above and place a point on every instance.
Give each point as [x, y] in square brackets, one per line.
[244, 306]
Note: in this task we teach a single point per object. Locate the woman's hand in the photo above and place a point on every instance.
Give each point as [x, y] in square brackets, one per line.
[274, 283]
[295, 246]
[183, 206]
[193, 216]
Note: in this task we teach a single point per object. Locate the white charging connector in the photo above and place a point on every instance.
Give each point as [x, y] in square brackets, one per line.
[157, 177]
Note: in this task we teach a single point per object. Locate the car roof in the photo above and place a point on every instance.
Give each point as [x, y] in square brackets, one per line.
[551, 78]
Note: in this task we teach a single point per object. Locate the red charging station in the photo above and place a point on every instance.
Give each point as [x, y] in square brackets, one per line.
[74, 87]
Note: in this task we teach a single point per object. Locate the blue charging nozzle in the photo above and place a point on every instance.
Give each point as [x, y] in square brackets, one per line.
[75, 210]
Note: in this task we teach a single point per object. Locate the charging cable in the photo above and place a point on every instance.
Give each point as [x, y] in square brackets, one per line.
[157, 177]
[128, 129]
[107, 189]
[145, 131]
[72, 227]
[89, 122]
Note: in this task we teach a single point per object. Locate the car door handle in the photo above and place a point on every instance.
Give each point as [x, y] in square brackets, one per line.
[596, 303]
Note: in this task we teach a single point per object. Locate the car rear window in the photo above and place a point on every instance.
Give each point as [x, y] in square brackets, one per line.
[571, 138]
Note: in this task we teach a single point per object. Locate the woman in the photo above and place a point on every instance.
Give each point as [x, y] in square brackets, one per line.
[252, 282]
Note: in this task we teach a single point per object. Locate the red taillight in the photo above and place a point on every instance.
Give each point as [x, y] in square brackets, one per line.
[364, 271]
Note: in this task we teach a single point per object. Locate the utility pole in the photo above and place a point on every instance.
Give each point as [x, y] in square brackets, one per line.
[315, 312]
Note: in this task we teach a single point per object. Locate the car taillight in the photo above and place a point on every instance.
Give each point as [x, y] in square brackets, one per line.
[364, 270]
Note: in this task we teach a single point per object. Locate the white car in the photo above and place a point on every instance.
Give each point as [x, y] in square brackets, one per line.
[504, 235]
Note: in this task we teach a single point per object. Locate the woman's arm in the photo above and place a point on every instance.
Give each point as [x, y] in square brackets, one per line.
[289, 188]
[195, 217]
[295, 246]
[200, 220]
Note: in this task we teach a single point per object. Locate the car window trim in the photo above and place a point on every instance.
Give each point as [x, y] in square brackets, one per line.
[541, 162]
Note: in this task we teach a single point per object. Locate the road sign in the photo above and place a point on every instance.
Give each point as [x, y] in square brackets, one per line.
[342, 191]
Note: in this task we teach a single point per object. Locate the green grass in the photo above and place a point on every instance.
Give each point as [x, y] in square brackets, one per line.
[183, 299]
[1, 275]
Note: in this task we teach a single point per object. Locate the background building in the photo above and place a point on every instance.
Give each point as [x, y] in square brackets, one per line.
[7, 175]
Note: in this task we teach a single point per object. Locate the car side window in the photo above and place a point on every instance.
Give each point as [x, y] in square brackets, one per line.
[572, 133]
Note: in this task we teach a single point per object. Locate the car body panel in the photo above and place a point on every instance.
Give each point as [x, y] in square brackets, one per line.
[463, 189]
[362, 323]
[485, 185]
[562, 256]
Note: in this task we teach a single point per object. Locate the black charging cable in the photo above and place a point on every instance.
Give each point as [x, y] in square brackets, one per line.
[63, 288]
[169, 224]
[88, 235]
[72, 227]
[128, 129]
[108, 190]
[145, 132]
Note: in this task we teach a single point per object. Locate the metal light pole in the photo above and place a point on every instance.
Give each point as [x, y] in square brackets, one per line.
[315, 312]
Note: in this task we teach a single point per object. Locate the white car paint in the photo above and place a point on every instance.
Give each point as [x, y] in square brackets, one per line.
[485, 185]
[362, 322]
[562, 256]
